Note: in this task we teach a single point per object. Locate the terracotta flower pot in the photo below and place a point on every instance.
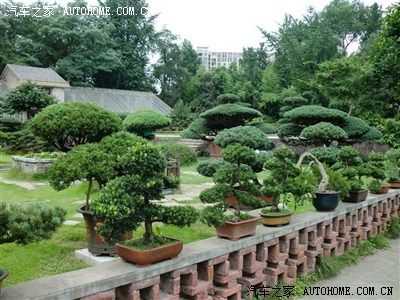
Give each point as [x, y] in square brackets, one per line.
[276, 220]
[96, 244]
[146, 257]
[237, 230]
[356, 196]
[384, 190]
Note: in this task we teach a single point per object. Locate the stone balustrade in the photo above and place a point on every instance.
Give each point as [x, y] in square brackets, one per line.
[221, 269]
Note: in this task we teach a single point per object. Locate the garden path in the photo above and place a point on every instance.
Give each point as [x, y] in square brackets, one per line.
[23, 184]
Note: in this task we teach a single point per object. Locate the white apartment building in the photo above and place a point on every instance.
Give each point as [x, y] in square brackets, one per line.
[211, 59]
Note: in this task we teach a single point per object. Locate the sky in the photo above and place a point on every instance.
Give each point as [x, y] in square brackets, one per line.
[225, 25]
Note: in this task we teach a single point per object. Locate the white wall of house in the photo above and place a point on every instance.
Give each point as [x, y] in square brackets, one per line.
[59, 93]
[11, 80]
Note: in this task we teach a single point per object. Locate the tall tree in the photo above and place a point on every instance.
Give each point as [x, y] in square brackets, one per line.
[385, 57]
[176, 65]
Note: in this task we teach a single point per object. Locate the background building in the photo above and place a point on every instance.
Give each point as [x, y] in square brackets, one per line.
[211, 59]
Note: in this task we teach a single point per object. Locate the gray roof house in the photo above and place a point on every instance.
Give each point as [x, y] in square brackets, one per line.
[111, 99]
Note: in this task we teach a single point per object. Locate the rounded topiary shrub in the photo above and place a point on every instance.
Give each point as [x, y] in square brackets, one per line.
[210, 166]
[327, 155]
[197, 130]
[313, 114]
[324, 132]
[355, 127]
[186, 155]
[372, 134]
[229, 115]
[249, 136]
[228, 98]
[67, 125]
[266, 128]
[144, 122]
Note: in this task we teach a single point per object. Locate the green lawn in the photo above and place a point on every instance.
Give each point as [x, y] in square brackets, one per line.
[5, 157]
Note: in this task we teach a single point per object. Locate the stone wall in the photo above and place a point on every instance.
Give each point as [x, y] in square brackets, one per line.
[221, 269]
[31, 165]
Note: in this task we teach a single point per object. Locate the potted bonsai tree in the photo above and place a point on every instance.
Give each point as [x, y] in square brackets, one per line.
[25, 224]
[285, 181]
[353, 167]
[93, 162]
[235, 186]
[393, 168]
[127, 201]
[332, 185]
[376, 166]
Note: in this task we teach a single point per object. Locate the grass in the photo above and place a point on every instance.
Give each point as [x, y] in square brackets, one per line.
[5, 157]
[193, 179]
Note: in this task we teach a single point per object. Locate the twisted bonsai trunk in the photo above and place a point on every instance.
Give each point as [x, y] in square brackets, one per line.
[89, 190]
[325, 178]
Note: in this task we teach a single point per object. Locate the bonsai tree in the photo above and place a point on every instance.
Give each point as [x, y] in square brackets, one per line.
[227, 98]
[28, 97]
[296, 121]
[144, 122]
[126, 201]
[92, 162]
[85, 162]
[233, 178]
[376, 168]
[220, 117]
[352, 166]
[67, 125]
[31, 223]
[248, 136]
[393, 166]
[323, 133]
[286, 181]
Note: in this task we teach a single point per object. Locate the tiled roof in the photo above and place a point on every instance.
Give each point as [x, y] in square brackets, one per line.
[36, 74]
[117, 100]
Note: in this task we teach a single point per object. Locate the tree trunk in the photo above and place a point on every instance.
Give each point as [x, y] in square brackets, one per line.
[325, 179]
[148, 226]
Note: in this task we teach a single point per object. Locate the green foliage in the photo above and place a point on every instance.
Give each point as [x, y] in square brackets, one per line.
[186, 155]
[25, 140]
[10, 124]
[209, 167]
[31, 223]
[375, 186]
[143, 121]
[67, 125]
[393, 228]
[198, 129]
[214, 216]
[249, 136]
[323, 132]
[355, 127]
[326, 155]
[326, 268]
[216, 193]
[122, 115]
[393, 165]
[266, 128]
[28, 97]
[372, 134]
[313, 114]
[229, 115]
[227, 98]
[390, 129]
[85, 162]
[171, 182]
[124, 203]
[286, 178]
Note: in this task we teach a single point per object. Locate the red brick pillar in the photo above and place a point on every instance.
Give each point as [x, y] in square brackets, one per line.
[146, 289]
[343, 228]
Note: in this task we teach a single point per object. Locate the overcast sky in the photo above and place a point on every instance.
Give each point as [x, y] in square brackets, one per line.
[226, 25]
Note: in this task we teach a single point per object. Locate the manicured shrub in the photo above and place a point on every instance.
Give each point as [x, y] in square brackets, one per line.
[67, 125]
[25, 140]
[144, 122]
[372, 134]
[227, 98]
[266, 128]
[122, 115]
[229, 115]
[324, 132]
[31, 223]
[210, 166]
[186, 155]
[10, 124]
[355, 127]
[198, 129]
[313, 114]
[327, 155]
[249, 136]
